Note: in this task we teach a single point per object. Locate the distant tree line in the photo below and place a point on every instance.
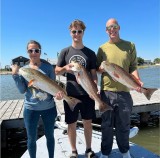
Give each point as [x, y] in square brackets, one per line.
[157, 61]
[141, 61]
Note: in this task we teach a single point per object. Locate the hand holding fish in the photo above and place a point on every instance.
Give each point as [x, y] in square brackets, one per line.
[59, 95]
[15, 69]
[39, 80]
[68, 67]
[101, 69]
[138, 89]
[137, 79]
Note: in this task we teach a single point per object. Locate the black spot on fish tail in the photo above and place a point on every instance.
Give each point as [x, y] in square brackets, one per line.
[104, 107]
[148, 92]
[72, 102]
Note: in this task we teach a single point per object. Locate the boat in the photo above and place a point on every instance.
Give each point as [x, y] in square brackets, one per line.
[63, 149]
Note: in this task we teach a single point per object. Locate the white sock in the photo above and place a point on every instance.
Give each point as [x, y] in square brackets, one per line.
[126, 155]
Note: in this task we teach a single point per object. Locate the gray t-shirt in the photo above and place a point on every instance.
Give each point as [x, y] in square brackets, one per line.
[86, 57]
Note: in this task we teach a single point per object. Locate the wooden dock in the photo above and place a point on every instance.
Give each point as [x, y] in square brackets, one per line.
[13, 109]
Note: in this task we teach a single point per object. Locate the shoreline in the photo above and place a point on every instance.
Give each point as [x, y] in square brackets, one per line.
[5, 72]
[139, 67]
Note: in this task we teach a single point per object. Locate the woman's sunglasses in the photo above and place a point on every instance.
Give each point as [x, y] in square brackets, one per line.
[34, 50]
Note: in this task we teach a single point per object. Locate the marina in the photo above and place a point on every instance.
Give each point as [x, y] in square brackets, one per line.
[13, 134]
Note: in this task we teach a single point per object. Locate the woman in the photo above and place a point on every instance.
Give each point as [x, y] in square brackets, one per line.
[34, 107]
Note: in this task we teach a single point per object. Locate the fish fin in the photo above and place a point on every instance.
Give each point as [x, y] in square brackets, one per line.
[148, 92]
[116, 75]
[33, 91]
[41, 71]
[114, 79]
[104, 107]
[72, 102]
[77, 76]
[31, 83]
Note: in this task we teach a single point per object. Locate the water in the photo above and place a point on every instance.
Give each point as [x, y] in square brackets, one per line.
[150, 76]
[8, 88]
[148, 136]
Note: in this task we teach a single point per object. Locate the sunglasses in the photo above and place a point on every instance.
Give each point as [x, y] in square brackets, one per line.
[34, 50]
[114, 26]
[77, 31]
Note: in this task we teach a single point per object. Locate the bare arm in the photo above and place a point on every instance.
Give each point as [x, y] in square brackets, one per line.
[59, 70]
[136, 75]
[62, 70]
[94, 75]
[100, 70]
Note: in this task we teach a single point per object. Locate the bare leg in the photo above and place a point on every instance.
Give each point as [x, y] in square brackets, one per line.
[88, 132]
[72, 135]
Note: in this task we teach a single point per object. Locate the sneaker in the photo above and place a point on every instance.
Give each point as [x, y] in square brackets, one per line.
[103, 156]
[126, 155]
[74, 154]
[90, 154]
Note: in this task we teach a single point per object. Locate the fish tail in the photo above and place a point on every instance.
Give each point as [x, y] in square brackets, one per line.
[104, 107]
[148, 92]
[72, 102]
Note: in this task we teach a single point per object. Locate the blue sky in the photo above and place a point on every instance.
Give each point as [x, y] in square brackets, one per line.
[47, 21]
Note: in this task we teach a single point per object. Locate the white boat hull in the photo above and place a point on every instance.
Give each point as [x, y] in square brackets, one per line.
[63, 149]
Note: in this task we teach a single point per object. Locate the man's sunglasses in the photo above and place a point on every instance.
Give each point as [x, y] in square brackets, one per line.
[76, 31]
[34, 50]
[114, 26]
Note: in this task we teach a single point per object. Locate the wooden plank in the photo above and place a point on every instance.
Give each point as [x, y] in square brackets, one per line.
[21, 113]
[141, 104]
[10, 110]
[4, 109]
[17, 110]
[2, 103]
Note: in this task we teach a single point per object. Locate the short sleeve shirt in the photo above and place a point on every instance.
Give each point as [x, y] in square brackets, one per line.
[123, 54]
[86, 57]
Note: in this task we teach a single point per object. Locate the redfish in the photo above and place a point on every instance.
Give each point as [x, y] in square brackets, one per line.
[40, 81]
[119, 74]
